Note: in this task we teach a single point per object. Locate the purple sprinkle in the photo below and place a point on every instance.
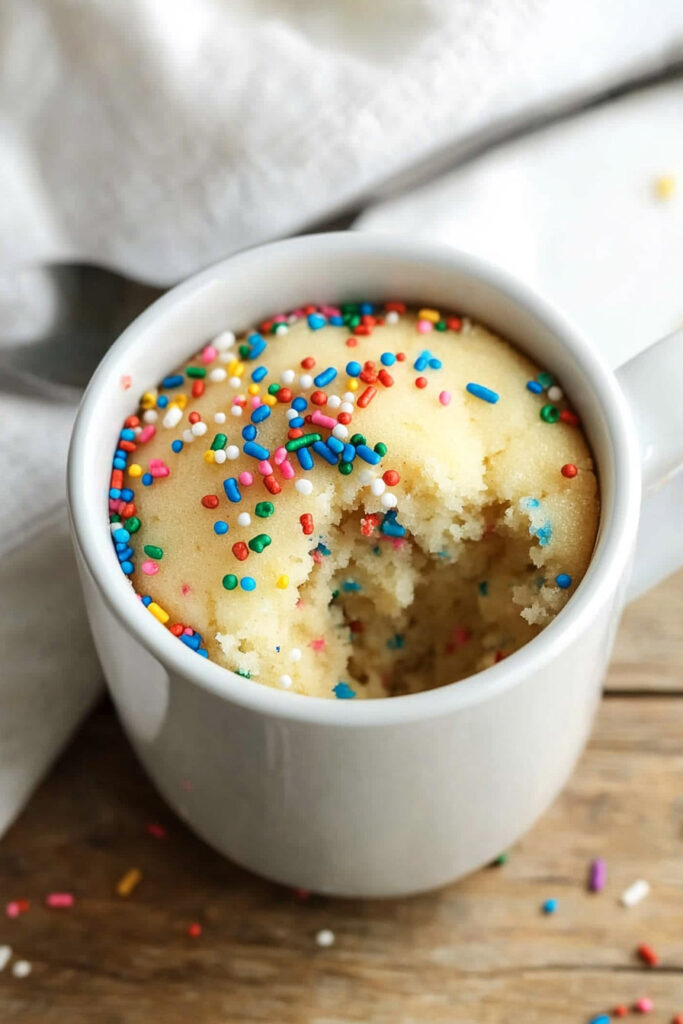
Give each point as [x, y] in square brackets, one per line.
[598, 878]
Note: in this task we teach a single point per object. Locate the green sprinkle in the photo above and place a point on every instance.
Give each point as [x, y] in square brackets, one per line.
[358, 439]
[153, 551]
[550, 413]
[546, 379]
[345, 468]
[441, 325]
[273, 388]
[195, 371]
[219, 441]
[502, 859]
[302, 442]
[377, 550]
[335, 595]
[244, 672]
[349, 307]
[260, 542]
[354, 321]
[230, 581]
[132, 524]
[114, 519]
[244, 351]
[381, 448]
[264, 509]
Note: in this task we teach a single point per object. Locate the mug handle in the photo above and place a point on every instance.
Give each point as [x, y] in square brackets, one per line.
[653, 384]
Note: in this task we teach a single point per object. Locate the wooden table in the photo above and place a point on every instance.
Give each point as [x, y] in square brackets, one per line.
[480, 951]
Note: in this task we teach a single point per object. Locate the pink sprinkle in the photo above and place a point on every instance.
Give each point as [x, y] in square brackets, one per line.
[397, 543]
[322, 420]
[158, 831]
[157, 471]
[265, 468]
[246, 478]
[150, 568]
[209, 353]
[598, 877]
[279, 455]
[445, 398]
[146, 433]
[12, 909]
[319, 644]
[255, 401]
[185, 589]
[280, 319]
[239, 400]
[126, 381]
[424, 326]
[330, 311]
[188, 631]
[114, 504]
[155, 462]
[316, 556]
[645, 1005]
[59, 899]
[298, 312]
[287, 470]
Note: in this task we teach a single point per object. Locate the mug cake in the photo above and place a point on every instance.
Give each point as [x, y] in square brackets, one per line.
[356, 501]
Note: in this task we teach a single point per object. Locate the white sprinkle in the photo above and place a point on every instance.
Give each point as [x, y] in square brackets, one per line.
[173, 417]
[224, 341]
[243, 519]
[5, 956]
[188, 436]
[366, 476]
[325, 938]
[150, 416]
[236, 410]
[219, 457]
[389, 500]
[199, 428]
[635, 893]
[304, 486]
[346, 407]
[305, 381]
[21, 969]
[349, 397]
[340, 432]
[391, 317]
[219, 417]
[378, 486]
[235, 382]
[232, 451]
[285, 681]
[137, 430]
[555, 393]
[225, 357]
[218, 374]
[292, 318]
[281, 329]
[288, 376]
[333, 402]
[295, 654]
[292, 414]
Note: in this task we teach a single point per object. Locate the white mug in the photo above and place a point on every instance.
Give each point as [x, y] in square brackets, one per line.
[379, 797]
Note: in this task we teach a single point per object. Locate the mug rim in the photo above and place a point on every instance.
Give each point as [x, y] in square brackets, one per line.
[607, 563]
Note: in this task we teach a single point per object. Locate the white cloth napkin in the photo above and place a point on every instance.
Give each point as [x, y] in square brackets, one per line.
[153, 136]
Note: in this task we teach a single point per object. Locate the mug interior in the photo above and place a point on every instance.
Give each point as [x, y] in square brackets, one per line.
[335, 268]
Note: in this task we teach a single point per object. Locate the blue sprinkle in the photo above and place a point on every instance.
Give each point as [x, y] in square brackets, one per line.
[349, 453]
[297, 421]
[177, 446]
[121, 545]
[146, 601]
[367, 454]
[396, 642]
[353, 368]
[305, 458]
[299, 404]
[337, 321]
[486, 395]
[125, 555]
[550, 906]
[321, 449]
[248, 583]
[260, 413]
[119, 464]
[564, 581]
[389, 527]
[530, 502]
[366, 309]
[220, 527]
[127, 434]
[231, 489]
[121, 536]
[325, 378]
[335, 444]
[483, 588]
[204, 654]
[162, 402]
[543, 533]
[249, 432]
[534, 387]
[174, 381]
[422, 360]
[127, 494]
[259, 373]
[316, 321]
[257, 451]
[323, 549]
[387, 359]
[258, 345]
[127, 567]
[351, 587]
[602, 1018]
[435, 364]
[343, 691]
[114, 493]
[147, 479]
[190, 641]
[120, 454]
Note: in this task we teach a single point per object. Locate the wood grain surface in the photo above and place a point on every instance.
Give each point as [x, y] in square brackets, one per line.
[478, 952]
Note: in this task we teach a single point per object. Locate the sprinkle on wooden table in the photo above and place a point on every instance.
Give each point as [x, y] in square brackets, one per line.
[59, 900]
[5, 956]
[325, 938]
[129, 882]
[635, 893]
[647, 954]
[21, 969]
[598, 874]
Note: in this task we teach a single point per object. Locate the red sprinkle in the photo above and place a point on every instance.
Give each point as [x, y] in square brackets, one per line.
[294, 432]
[368, 320]
[197, 388]
[648, 954]
[368, 376]
[210, 501]
[271, 484]
[368, 524]
[194, 930]
[240, 550]
[128, 510]
[319, 398]
[158, 831]
[363, 330]
[620, 1011]
[421, 382]
[117, 478]
[391, 477]
[132, 421]
[356, 626]
[306, 521]
[367, 396]
[454, 323]
[401, 357]
[352, 342]
[344, 418]
[569, 417]
[284, 395]
[127, 446]
[177, 628]
[569, 470]
[395, 307]
[194, 417]
[308, 363]
[385, 378]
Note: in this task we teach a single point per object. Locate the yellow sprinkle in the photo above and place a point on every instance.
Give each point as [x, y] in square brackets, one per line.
[269, 400]
[232, 366]
[158, 612]
[134, 469]
[665, 186]
[282, 581]
[253, 389]
[180, 401]
[129, 881]
[239, 369]
[209, 456]
[429, 314]
[148, 400]
[352, 384]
